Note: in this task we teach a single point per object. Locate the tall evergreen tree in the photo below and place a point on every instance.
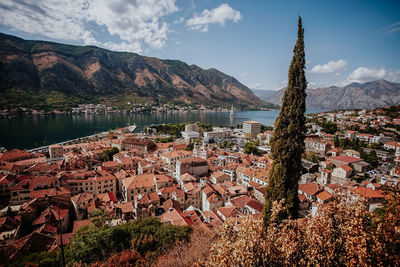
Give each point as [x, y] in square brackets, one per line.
[287, 143]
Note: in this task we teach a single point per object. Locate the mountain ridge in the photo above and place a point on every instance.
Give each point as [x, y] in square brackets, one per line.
[367, 95]
[88, 73]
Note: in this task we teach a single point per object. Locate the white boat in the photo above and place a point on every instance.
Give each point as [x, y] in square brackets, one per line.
[232, 112]
[132, 128]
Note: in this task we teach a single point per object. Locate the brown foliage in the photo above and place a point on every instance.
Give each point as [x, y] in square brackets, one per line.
[188, 253]
[127, 258]
[342, 233]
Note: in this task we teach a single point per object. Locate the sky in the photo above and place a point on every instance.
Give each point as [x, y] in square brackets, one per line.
[346, 41]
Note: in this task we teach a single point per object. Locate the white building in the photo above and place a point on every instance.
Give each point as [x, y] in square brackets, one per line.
[218, 133]
[252, 127]
[189, 135]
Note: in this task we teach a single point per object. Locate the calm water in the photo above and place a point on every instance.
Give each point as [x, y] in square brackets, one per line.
[29, 132]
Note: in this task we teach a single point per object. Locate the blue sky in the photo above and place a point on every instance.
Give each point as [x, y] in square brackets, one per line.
[346, 41]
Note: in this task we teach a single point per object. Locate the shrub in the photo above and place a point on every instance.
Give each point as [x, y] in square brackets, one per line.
[342, 233]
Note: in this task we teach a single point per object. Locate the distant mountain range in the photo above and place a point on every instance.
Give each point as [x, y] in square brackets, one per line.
[363, 96]
[52, 75]
[263, 94]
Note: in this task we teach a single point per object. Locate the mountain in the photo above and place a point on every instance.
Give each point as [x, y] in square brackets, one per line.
[363, 96]
[48, 74]
[263, 94]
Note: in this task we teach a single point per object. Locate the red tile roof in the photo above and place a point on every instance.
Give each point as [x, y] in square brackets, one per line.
[15, 154]
[79, 224]
[324, 196]
[256, 205]
[345, 159]
[310, 189]
[369, 192]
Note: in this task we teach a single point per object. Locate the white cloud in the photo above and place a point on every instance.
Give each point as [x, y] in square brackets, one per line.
[312, 84]
[329, 67]
[137, 24]
[219, 15]
[395, 27]
[364, 74]
[255, 86]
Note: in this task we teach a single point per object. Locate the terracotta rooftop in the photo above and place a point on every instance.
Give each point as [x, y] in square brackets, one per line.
[125, 207]
[256, 205]
[15, 154]
[345, 159]
[369, 192]
[324, 196]
[82, 197]
[79, 224]
[310, 189]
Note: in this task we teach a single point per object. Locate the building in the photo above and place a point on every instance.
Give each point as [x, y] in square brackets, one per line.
[189, 135]
[381, 154]
[6, 182]
[393, 146]
[96, 183]
[218, 177]
[343, 160]
[56, 151]
[341, 173]
[172, 157]
[194, 166]
[143, 144]
[318, 145]
[192, 128]
[325, 177]
[310, 191]
[139, 184]
[218, 133]
[211, 199]
[14, 155]
[251, 127]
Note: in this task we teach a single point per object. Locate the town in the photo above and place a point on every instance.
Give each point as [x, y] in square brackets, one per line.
[129, 107]
[194, 174]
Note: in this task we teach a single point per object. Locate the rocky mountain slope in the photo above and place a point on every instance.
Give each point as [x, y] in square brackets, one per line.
[48, 72]
[364, 96]
[263, 94]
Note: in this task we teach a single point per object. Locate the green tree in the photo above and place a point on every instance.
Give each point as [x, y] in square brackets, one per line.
[336, 141]
[329, 127]
[371, 158]
[108, 154]
[287, 143]
[252, 148]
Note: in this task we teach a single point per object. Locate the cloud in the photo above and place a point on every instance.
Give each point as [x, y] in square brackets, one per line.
[331, 66]
[312, 84]
[395, 27]
[364, 74]
[135, 24]
[255, 86]
[220, 15]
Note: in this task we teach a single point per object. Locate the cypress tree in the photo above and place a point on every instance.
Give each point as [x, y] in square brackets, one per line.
[287, 143]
